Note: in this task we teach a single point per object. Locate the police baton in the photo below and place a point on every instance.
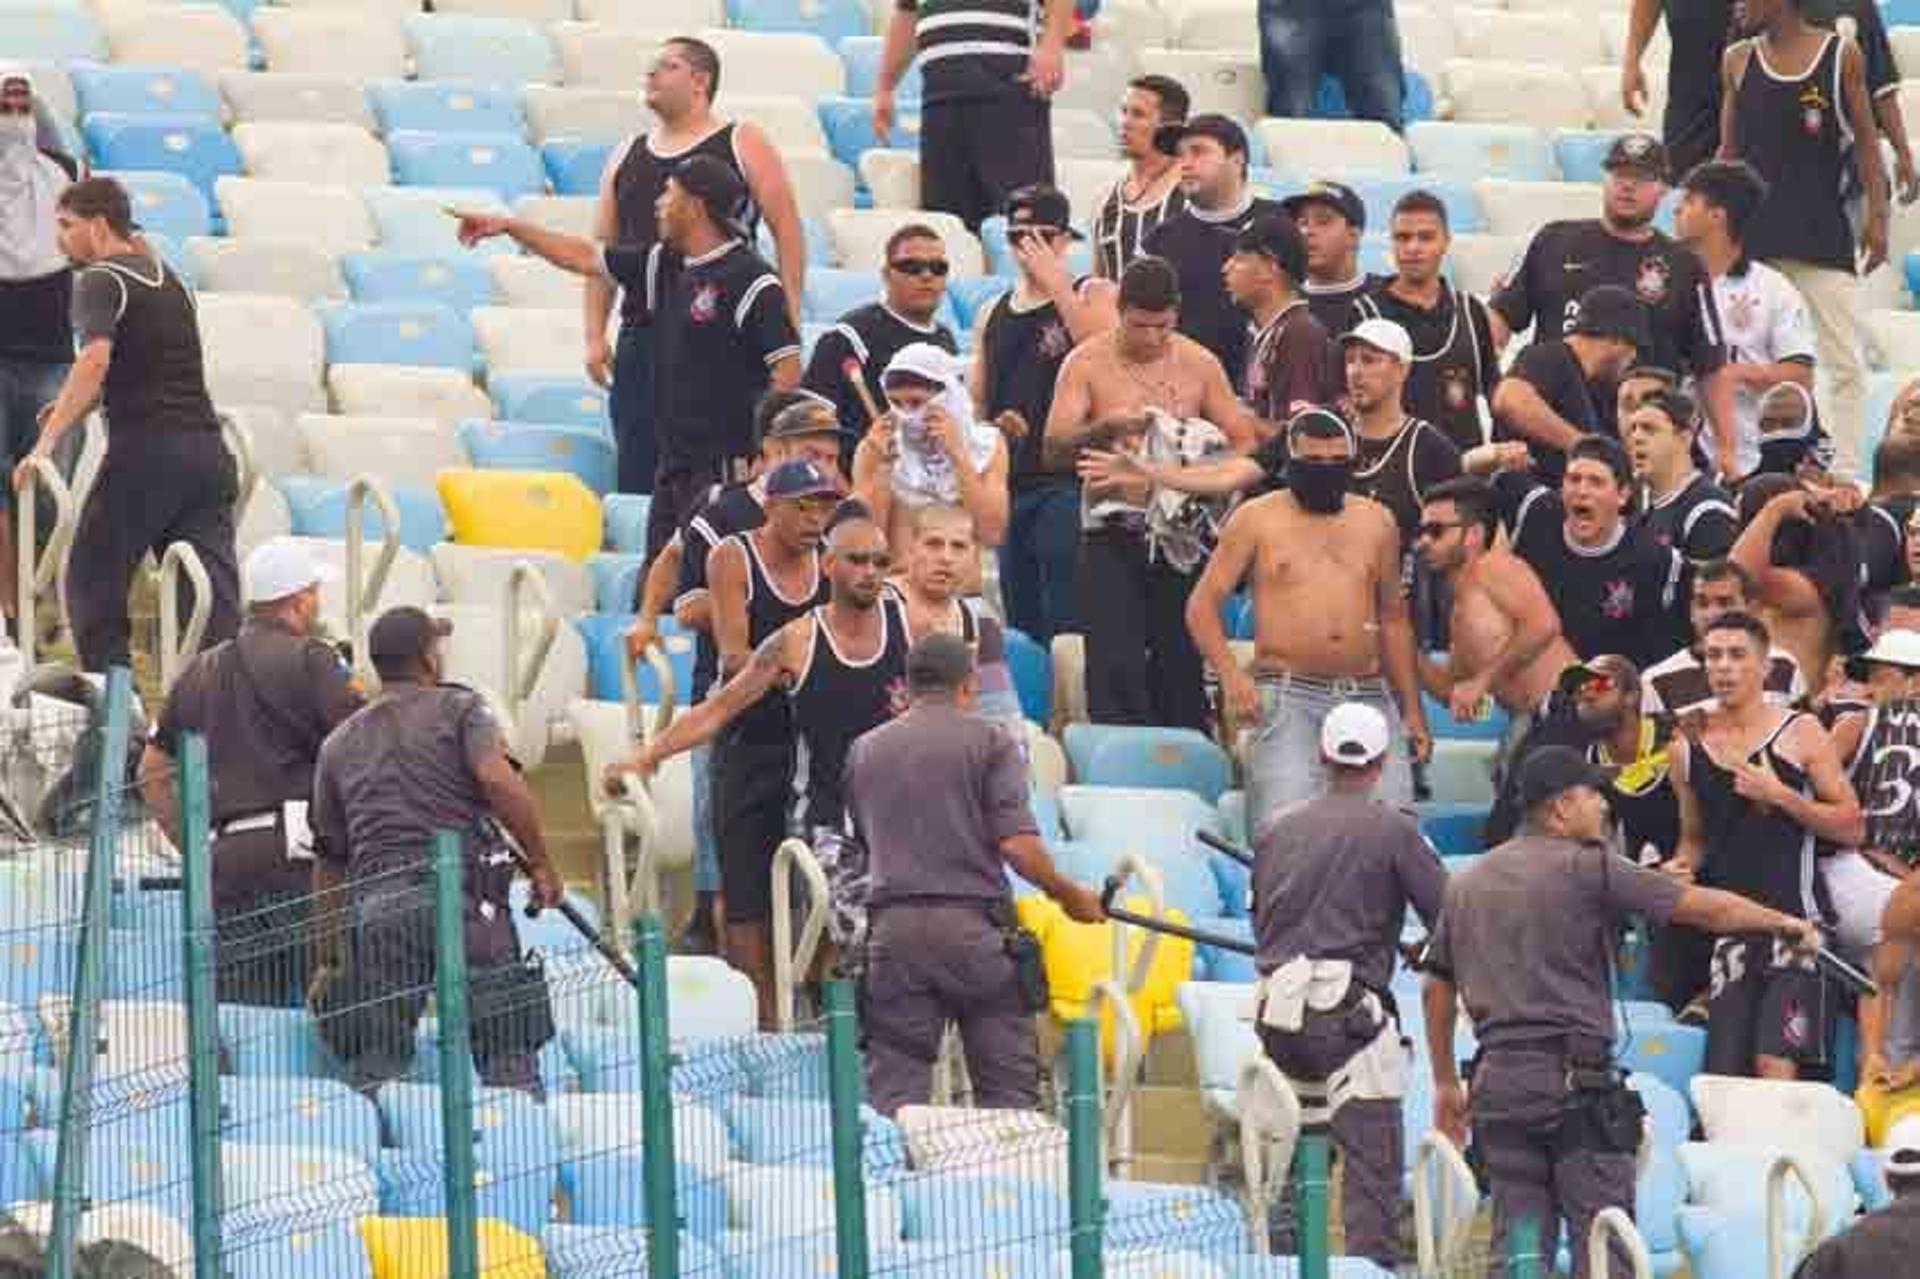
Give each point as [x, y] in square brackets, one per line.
[1845, 975]
[1226, 846]
[1198, 936]
[571, 913]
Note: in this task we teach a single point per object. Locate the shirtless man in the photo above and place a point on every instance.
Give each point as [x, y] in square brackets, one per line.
[1777, 549]
[1329, 621]
[1506, 635]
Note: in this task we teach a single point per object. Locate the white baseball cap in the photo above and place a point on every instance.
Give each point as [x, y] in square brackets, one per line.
[281, 567]
[1896, 648]
[1354, 734]
[1382, 335]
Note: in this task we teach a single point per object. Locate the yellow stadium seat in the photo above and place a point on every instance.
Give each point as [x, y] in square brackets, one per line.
[1079, 956]
[416, 1248]
[532, 510]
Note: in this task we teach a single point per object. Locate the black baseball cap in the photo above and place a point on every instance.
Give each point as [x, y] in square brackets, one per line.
[1554, 770]
[1040, 205]
[1222, 129]
[1607, 666]
[1337, 196]
[1638, 153]
[1609, 311]
[716, 184]
[812, 415]
[1277, 239]
[403, 633]
[800, 479]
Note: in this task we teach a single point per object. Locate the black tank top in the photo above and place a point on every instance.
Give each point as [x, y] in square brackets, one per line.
[156, 380]
[637, 185]
[1121, 227]
[836, 699]
[1024, 352]
[770, 719]
[1795, 132]
[1760, 853]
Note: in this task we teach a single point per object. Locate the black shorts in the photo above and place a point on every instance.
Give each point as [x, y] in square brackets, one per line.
[1763, 1001]
[976, 152]
[751, 787]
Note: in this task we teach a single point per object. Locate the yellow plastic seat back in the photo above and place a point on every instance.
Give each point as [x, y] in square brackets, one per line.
[416, 1248]
[1079, 956]
[533, 510]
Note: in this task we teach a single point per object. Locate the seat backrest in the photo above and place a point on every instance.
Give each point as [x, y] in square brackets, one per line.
[289, 268]
[198, 37]
[529, 282]
[322, 97]
[583, 451]
[331, 217]
[529, 339]
[446, 395]
[445, 107]
[330, 154]
[479, 575]
[1472, 151]
[538, 397]
[414, 219]
[161, 90]
[601, 55]
[166, 203]
[1493, 92]
[779, 62]
[1793, 1114]
[422, 334]
[583, 113]
[257, 342]
[1348, 147]
[459, 281]
[498, 162]
[397, 450]
[484, 50]
[1521, 208]
[357, 41]
[1226, 82]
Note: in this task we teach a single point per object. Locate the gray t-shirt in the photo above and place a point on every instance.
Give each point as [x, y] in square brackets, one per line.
[1526, 933]
[1333, 879]
[932, 794]
[398, 771]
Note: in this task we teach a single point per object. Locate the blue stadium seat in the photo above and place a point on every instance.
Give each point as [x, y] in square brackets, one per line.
[600, 1190]
[1379, 194]
[625, 515]
[165, 91]
[585, 451]
[512, 1132]
[280, 1042]
[1492, 728]
[605, 637]
[503, 51]
[118, 1171]
[831, 20]
[333, 1250]
[145, 966]
[1900, 13]
[167, 203]
[1217, 963]
[1032, 669]
[194, 147]
[1142, 1214]
[1671, 1053]
[298, 1112]
[498, 162]
[782, 1131]
[965, 1211]
[414, 219]
[1470, 151]
[442, 106]
[993, 239]
[51, 33]
[790, 1066]
[319, 509]
[543, 397]
[862, 53]
[422, 334]
[574, 166]
[413, 1184]
[460, 281]
[970, 295]
[1454, 830]
[1330, 101]
[1582, 152]
[616, 579]
[848, 124]
[1164, 758]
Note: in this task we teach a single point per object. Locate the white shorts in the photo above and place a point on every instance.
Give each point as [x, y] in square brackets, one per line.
[1859, 891]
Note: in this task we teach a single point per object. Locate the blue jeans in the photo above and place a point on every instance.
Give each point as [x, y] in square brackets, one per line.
[1284, 764]
[1037, 559]
[1355, 41]
[629, 403]
[706, 850]
[26, 387]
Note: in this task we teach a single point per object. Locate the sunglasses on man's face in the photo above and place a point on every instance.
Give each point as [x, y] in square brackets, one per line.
[1597, 685]
[868, 559]
[920, 266]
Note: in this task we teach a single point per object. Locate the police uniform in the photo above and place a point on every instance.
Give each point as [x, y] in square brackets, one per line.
[401, 769]
[1526, 936]
[1331, 885]
[264, 701]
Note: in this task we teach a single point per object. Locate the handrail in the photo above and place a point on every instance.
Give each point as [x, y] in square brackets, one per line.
[1128, 1050]
[523, 675]
[240, 440]
[1269, 1130]
[1439, 1245]
[175, 648]
[38, 570]
[788, 958]
[1149, 875]
[1616, 1222]
[631, 812]
[1779, 1266]
[364, 591]
[656, 659]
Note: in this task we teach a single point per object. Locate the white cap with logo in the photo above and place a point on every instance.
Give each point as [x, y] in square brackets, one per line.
[1382, 335]
[1354, 734]
[1895, 648]
[281, 567]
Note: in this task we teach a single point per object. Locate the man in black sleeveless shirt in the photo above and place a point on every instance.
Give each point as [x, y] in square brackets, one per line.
[168, 476]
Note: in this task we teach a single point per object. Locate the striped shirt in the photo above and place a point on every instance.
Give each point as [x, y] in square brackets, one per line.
[1121, 227]
[973, 48]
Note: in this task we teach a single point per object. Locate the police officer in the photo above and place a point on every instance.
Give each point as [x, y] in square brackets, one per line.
[938, 797]
[264, 701]
[1332, 880]
[422, 757]
[1525, 939]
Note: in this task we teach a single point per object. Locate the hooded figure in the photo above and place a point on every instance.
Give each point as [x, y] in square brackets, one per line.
[923, 472]
[32, 176]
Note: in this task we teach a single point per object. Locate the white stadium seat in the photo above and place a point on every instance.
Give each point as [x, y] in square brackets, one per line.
[892, 176]
[779, 62]
[1603, 97]
[266, 517]
[197, 37]
[1520, 208]
[328, 154]
[1086, 183]
[297, 95]
[404, 451]
[477, 655]
[528, 340]
[137, 1040]
[327, 217]
[1426, 37]
[530, 282]
[1227, 83]
[276, 445]
[1479, 260]
[338, 41]
[1466, 152]
[679, 15]
[1563, 38]
[261, 349]
[573, 214]
[860, 236]
[1097, 77]
[1079, 133]
[478, 575]
[292, 268]
[1132, 24]
[1893, 339]
[1216, 24]
[789, 123]
[594, 115]
[820, 182]
[530, 10]
[1325, 148]
[1491, 92]
[414, 219]
[1800, 1116]
[446, 395]
[599, 56]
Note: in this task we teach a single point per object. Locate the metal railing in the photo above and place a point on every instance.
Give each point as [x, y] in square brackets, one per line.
[38, 568]
[1442, 1230]
[1269, 1136]
[1780, 1263]
[177, 645]
[1615, 1224]
[247, 474]
[792, 959]
[365, 586]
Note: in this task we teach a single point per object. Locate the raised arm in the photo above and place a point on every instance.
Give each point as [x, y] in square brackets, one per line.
[1782, 589]
[1521, 409]
[568, 252]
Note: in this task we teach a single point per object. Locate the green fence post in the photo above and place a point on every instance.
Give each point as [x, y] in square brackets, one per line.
[1523, 1250]
[203, 1034]
[456, 1056]
[83, 1018]
[1084, 1158]
[1310, 1187]
[844, 1091]
[656, 1105]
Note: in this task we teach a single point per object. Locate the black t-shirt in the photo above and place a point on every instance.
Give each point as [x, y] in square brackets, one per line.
[1565, 259]
[1454, 363]
[156, 379]
[1332, 304]
[1024, 349]
[1198, 244]
[872, 335]
[720, 324]
[1880, 528]
[1549, 367]
[1293, 365]
[1623, 598]
[1699, 521]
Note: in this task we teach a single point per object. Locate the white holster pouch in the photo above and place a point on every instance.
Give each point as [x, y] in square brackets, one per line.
[1301, 984]
[1377, 1072]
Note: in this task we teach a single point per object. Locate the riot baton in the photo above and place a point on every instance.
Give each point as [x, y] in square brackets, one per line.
[1198, 936]
[571, 913]
[1845, 975]
[1226, 846]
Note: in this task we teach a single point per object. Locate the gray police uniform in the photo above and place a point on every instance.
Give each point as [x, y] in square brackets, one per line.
[931, 796]
[1526, 935]
[1876, 1246]
[1331, 885]
[264, 701]
[388, 779]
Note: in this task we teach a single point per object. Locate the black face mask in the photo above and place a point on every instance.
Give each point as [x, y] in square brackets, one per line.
[1319, 487]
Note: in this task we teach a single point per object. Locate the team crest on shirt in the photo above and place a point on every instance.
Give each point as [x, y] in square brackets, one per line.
[1813, 109]
[897, 699]
[1055, 341]
[1617, 601]
[1457, 388]
[705, 304]
[1651, 283]
[1796, 1027]
[1742, 310]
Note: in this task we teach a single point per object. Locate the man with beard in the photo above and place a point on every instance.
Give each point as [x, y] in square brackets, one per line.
[842, 666]
[1677, 685]
[1799, 549]
[1561, 389]
[1150, 192]
[1455, 366]
[1682, 508]
[1505, 634]
[1615, 588]
[1758, 786]
[1331, 217]
[1330, 621]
